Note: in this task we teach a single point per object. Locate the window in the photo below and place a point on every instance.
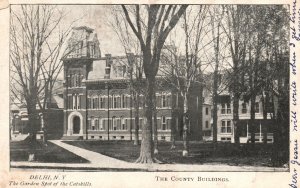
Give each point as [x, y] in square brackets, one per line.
[206, 124]
[226, 126]
[69, 80]
[114, 123]
[101, 105]
[118, 124]
[89, 124]
[223, 110]
[226, 108]
[229, 126]
[119, 71]
[70, 101]
[123, 125]
[244, 108]
[163, 123]
[96, 124]
[164, 101]
[122, 137]
[79, 101]
[94, 103]
[79, 79]
[93, 123]
[74, 101]
[114, 102]
[75, 80]
[168, 124]
[206, 111]
[226, 139]
[141, 123]
[123, 101]
[92, 50]
[256, 107]
[100, 125]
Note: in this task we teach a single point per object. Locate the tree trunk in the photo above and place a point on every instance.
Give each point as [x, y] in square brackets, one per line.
[265, 103]
[32, 121]
[155, 131]
[236, 118]
[136, 118]
[146, 152]
[215, 87]
[280, 154]
[215, 111]
[174, 121]
[186, 122]
[236, 98]
[155, 125]
[252, 118]
[200, 109]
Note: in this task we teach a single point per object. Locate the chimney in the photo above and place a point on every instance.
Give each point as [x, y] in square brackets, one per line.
[108, 66]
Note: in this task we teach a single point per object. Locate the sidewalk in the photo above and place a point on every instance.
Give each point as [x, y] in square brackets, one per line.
[102, 162]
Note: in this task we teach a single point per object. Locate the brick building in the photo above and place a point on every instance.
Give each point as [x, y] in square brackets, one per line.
[98, 101]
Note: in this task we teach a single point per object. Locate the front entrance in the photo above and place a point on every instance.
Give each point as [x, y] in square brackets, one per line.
[76, 125]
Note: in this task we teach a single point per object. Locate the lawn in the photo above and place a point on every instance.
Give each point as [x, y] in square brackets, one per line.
[200, 153]
[51, 153]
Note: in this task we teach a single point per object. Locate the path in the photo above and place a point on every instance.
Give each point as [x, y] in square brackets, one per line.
[102, 162]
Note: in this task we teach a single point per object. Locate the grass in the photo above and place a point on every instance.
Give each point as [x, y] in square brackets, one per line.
[200, 153]
[19, 151]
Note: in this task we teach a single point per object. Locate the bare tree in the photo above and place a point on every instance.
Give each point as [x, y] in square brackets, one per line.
[160, 20]
[36, 41]
[185, 72]
[236, 31]
[216, 14]
[132, 49]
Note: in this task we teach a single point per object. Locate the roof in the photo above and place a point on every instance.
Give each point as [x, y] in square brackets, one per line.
[59, 101]
[83, 28]
[98, 68]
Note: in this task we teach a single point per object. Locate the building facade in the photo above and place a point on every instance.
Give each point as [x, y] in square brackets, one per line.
[225, 121]
[98, 100]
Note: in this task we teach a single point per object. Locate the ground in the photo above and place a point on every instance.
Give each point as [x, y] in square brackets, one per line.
[19, 151]
[200, 153]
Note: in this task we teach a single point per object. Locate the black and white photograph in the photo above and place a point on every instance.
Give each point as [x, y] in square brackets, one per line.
[149, 88]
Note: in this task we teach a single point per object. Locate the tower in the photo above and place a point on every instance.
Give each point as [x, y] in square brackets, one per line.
[82, 49]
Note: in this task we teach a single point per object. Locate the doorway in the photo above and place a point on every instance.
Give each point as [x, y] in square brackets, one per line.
[76, 125]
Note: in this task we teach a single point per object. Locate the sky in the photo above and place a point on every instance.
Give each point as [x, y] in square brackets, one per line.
[95, 17]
